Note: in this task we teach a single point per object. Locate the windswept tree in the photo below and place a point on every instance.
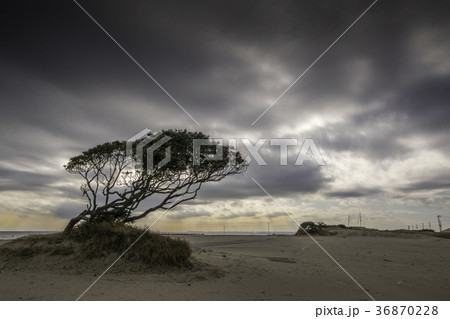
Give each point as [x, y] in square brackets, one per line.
[119, 177]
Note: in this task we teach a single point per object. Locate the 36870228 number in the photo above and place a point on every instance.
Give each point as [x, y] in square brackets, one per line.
[407, 310]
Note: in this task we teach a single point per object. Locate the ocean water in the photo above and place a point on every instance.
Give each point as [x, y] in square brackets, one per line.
[10, 235]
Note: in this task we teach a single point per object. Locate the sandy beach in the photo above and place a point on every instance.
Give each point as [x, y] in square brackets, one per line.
[262, 268]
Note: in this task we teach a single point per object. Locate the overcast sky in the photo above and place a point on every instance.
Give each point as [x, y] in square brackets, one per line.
[376, 104]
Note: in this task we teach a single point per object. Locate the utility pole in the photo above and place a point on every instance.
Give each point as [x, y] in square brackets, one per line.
[439, 222]
[423, 226]
[268, 229]
[429, 224]
[224, 230]
[360, 223]
[408, 227]
[417, 227]
[348, 221]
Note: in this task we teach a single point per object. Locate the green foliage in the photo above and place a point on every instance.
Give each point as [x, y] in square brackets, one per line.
[182, 152]
[96, 156]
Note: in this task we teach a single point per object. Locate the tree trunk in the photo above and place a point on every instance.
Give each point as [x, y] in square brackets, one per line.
[73, 222]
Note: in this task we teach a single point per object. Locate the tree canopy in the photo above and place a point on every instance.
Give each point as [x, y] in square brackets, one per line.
[117, 182]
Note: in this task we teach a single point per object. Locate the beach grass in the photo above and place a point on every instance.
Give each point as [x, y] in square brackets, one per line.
[100, 241]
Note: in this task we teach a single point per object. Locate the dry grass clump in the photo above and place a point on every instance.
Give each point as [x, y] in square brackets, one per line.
[90, 242]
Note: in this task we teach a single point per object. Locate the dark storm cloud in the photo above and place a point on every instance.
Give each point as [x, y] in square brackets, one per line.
[360, 192]
[420, 108]
[65, 86]
[278, 181]
[39, 183]
[427, 185]
[436, 179]
[66, 209]
[369, 138]
[425, 104]
[19, 180]
[202, 53]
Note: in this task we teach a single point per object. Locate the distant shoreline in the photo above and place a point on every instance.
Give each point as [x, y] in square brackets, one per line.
[7, 235]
